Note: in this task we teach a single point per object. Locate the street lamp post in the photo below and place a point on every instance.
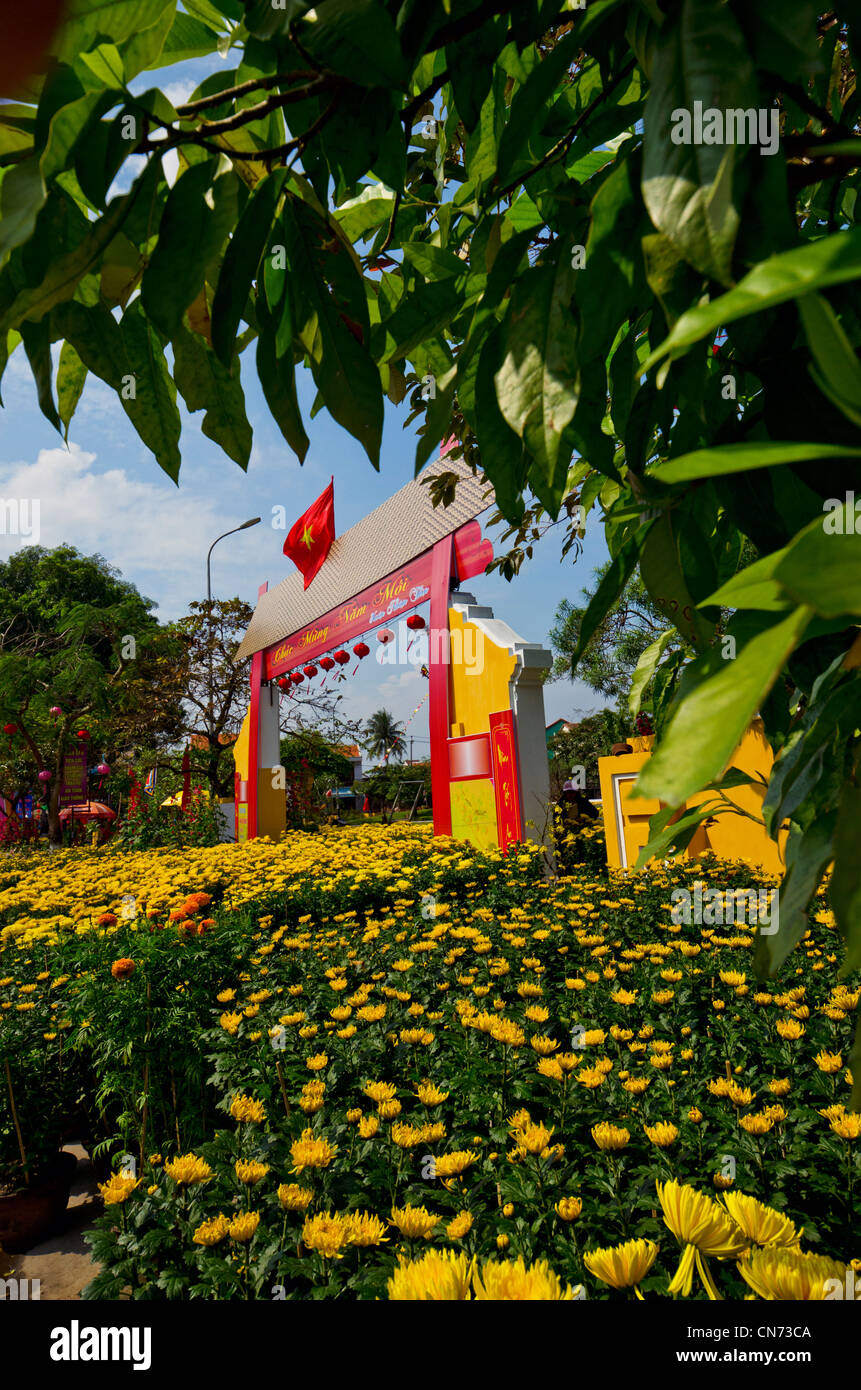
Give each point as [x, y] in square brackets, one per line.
[254, 521]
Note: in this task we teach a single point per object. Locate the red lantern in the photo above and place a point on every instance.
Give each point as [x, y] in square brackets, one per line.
[310, 670]
[10, 730]
[385, 635]
[341, 657]
[327, 663]
[415, 622]
[55, 712]
[296, 677]
[82, 734]
[360, 650]
[283, 682]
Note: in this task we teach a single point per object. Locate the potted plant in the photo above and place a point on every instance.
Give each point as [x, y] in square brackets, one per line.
[35, 1172]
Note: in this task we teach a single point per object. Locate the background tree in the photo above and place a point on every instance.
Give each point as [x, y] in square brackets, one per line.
[490, 199]
[77, 637]
[384, 735]
[629, 626]
[592, 738]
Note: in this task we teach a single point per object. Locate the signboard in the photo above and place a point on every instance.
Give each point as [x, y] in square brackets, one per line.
[73, 788]
[383, 602]
[505, 778]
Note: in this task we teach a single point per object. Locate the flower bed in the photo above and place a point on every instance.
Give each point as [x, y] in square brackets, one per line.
[368, 1063]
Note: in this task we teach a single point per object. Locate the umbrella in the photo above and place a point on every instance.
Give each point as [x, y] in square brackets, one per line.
[96, 810]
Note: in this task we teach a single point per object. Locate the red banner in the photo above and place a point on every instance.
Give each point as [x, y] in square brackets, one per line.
[505, 780]
[73, 788]
[383, 602]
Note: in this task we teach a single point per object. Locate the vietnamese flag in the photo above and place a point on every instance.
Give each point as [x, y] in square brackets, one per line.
[311, 536]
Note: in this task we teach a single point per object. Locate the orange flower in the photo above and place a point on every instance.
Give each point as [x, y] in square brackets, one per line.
[123, 968]
[107, 919]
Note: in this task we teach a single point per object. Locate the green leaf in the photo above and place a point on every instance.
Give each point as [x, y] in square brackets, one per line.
[738, 458]
[645, 669]
[71, 375]
[22, 194]
[366, 212]
[64, 274]
[621, 568]
[187, 38]
[342, 368]
[358, 39]
[753, 587]
[822, 567]
[102, 67]
[611, 287]
[177, 268]
[418, 318]
[838, 371]
[152, 408]
[528, 105]
[431, 262]
[278, 381]
[536, 383]
[205, 383]
[67, 127]
[665, 839]
[831, 260]
[241, 260]
[708, 724]
[700, 55]
[37, 345]
[86, 20]
[504, 458]
[807, 856]
[144, 48]
[662, 573]
[96, 337]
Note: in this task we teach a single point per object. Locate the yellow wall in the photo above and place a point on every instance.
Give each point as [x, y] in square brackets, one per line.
[728, 836]
[472, 699]
[473, 812]
[271, 801]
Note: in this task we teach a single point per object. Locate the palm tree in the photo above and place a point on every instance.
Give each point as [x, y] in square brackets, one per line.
[383, 734]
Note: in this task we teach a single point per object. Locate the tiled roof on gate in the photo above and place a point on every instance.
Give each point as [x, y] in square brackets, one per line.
[390, 536]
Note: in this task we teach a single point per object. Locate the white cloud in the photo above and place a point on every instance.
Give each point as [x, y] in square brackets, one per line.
[152, 532]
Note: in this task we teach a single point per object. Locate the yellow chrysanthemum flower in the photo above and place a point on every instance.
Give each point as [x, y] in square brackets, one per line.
[416, 1223]
[247, 1111]
[761, 1225]
[244, 1226]
[250, 1172]
[513, 1280]
[188, 1170]
[294, 1197]
[790, 1275]
[703, 1227]
[213, 1231]
[622, 1266]
[610, 1137]
[311, 1151]
[460, 1225]
[440, 1275]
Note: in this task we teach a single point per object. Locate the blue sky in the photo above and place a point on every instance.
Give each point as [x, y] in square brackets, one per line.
[106, 494]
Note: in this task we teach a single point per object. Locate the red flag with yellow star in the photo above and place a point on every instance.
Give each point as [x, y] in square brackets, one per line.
[311, 536]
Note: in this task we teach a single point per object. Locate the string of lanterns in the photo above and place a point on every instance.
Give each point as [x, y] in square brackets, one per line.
[45, 775]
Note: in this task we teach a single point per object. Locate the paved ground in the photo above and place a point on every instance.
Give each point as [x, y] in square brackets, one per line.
[62, 1263]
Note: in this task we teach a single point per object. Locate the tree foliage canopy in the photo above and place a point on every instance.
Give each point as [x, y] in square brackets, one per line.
[487, 202]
